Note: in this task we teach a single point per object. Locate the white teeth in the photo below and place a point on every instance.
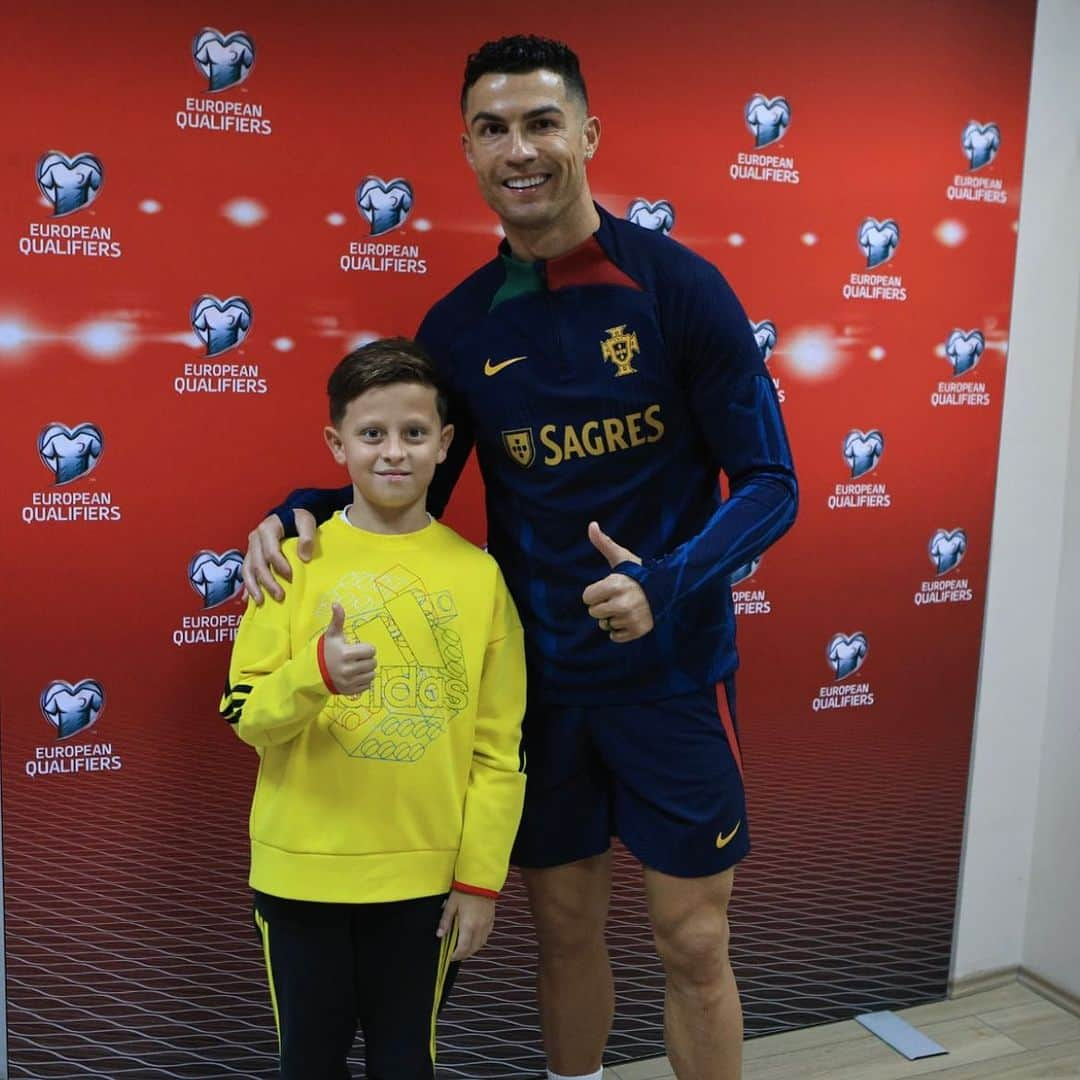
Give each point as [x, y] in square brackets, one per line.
[526, 182]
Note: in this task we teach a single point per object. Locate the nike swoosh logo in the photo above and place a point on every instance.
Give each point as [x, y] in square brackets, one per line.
[494, 369]
[723, 841]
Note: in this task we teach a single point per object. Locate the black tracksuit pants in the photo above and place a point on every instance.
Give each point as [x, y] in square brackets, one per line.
[336, 967]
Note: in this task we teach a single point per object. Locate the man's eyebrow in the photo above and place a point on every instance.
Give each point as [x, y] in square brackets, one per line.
[532, 114]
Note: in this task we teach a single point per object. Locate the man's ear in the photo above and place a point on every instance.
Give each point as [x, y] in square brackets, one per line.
[333, 440]
[466, 148]
[592, 134]
[445, 439]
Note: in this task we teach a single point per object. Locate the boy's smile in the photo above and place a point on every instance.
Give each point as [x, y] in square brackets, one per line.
[390, 440]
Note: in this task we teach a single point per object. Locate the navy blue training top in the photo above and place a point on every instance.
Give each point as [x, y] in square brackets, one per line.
[612, 384]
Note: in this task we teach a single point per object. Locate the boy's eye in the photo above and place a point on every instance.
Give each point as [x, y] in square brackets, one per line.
[417, 433]
[371, 434]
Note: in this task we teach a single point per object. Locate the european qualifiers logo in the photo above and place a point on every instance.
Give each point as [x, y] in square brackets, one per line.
[862, 450]
[980, 143]
[220, 325]
[878, 241]
[963, 349]
[71, 710]
[69, 454]
[69, 185]
[225, 61]
[656, 217]
[766, 336]
[947, 548]
[846, 654]
[216, 579]
[767, 119]
[385, 206]
[748, 600]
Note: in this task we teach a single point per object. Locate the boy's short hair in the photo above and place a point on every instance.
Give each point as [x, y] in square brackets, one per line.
[382, 363]
[521, 54]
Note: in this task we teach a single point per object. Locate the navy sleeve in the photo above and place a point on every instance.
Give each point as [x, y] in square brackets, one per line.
[321, 502]
[433, 337]
[732, 399]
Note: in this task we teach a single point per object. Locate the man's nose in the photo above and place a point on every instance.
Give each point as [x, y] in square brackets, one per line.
[521, 147]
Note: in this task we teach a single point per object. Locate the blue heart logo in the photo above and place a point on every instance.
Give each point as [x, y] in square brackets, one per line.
[947, 549]
[656, 217]
[767, 118]
[384, 205]
[863, 450]
[963, 350]
[847, 653]
[747, 570]
[878, 240]
[216, 578]
[225, 59]
[71, 709]
[765, 335]
[981, 143]
[69, 453]
[69, 184]
[221, 324]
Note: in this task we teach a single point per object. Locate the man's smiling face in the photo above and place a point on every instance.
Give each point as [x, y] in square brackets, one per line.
[527, 140]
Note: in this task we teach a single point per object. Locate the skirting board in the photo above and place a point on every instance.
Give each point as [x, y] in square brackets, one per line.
[991, 980]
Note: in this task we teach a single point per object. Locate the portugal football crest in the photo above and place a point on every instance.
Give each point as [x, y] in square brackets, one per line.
[619, 348]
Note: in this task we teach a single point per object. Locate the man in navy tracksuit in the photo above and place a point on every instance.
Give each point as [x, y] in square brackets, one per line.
[605, 375]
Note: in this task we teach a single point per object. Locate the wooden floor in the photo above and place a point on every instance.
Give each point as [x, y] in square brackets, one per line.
[1006, 1034]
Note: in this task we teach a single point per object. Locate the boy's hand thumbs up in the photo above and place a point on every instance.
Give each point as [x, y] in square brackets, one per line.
[349, 665]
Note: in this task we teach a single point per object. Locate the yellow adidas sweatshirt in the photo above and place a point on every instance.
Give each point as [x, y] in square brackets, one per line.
[415, 785]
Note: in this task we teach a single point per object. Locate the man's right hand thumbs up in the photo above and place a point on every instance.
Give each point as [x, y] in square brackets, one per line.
[351, 666]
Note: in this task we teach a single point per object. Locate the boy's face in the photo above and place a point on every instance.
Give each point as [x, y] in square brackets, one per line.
[390, 440]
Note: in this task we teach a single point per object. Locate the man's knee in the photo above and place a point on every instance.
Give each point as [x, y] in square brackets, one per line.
[569, 904]
[694, 947]
[690, 925]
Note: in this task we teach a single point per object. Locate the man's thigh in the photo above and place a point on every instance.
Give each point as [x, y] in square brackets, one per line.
[675, 776]
[567, 793]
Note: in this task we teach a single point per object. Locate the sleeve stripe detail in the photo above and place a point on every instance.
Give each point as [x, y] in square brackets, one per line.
[475, 890]
[323, 669]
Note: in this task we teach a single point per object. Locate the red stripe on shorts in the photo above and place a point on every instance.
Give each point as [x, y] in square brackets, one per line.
[729, 725]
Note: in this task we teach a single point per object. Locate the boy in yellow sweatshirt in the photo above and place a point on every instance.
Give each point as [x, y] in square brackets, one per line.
[384, 695]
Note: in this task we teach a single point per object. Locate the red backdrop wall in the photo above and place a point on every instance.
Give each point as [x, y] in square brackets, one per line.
[135, 463]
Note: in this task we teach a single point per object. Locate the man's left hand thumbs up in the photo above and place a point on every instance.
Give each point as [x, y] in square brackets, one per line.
[617, 602]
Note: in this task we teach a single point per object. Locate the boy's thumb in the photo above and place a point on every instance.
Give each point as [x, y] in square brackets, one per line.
[337, 622]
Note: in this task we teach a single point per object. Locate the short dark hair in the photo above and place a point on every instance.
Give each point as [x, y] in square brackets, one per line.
[520, 54]
[382, 363]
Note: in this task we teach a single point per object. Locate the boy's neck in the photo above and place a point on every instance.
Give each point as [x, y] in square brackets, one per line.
[389, 521]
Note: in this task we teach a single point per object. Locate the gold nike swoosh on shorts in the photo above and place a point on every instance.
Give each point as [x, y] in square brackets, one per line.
[494, 369]
[723, 841]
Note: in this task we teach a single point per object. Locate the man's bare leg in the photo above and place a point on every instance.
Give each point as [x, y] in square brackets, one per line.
[702, 1012]
[575, 992]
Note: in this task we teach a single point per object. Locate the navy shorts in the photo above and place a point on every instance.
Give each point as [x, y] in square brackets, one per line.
[665, 777]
